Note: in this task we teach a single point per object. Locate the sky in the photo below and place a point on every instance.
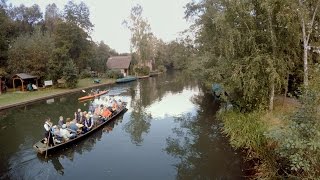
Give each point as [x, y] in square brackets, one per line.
[164, 16]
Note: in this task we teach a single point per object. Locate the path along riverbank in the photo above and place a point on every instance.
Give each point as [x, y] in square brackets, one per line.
[24, 98]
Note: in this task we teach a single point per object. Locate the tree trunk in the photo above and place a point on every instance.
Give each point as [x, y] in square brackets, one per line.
[271, 96]
[271, 76]
[305, 64]
[286, 90]
[306, 38]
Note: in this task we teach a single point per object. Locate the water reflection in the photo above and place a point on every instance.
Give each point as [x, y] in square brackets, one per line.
[151, 91]
[169, 122]
[198, 144]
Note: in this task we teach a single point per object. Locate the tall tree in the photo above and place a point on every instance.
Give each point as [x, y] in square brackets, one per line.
[6, 34]
[30, 53]
[52, 15]
[141, 35]
[242, 46]
[75, 40]
[26, 17]
[307, 12]
[78, 14]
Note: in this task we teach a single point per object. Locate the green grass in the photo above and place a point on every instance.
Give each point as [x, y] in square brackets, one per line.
[88, 82]
[23, 96]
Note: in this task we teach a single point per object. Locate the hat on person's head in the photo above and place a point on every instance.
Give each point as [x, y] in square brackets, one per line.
[64, 126]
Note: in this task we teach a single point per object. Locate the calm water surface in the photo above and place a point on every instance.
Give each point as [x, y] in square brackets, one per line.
[168, 132]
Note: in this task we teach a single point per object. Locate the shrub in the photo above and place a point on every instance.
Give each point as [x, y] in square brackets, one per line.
[85, 74]
[115, 74]
[142, 71]
[244, 130]
[162, 68]
[299, 142]
[70, 74]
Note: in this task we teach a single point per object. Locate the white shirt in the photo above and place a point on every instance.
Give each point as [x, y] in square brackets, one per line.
[65, 133]
[47, 126]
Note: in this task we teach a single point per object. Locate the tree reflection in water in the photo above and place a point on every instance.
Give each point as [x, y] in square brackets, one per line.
[145, 93]
[139, 122]
[200, 147]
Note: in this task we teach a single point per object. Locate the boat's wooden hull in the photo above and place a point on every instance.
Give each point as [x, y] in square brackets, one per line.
[92, 96]
[126, 79]
[41, 147]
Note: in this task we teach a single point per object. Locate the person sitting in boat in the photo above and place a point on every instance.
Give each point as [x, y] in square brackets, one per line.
[84, 117]
[97, 111]
[78, 115]
[120, 103]
[65, 133]
[48, 134]
[106, 113]
[88, 124]
[114, 106]
[80, 120]
[72, 125]
[92, 118]
[91, 107]
[61, 121]
[56, 134]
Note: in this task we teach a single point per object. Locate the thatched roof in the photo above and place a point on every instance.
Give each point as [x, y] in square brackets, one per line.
[119, 62]
[24, 76]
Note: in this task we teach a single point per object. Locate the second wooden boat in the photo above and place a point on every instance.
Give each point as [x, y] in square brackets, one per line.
[93, 96]
[126, 79]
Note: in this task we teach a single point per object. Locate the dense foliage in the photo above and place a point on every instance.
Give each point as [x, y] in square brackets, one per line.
[299, 141]
[53, 45]
[251, 47]
[255, 50]
[148, 50]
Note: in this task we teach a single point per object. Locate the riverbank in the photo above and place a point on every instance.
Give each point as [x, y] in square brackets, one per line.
[19, 98]
[274, 144]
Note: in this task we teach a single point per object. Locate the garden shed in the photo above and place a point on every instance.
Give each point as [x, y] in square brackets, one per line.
[23, 80]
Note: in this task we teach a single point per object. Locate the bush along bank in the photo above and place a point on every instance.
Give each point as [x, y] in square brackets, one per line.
[284, 143]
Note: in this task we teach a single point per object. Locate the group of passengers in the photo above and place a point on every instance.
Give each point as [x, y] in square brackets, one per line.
[67, 129]
[82, 122]
[104, 112]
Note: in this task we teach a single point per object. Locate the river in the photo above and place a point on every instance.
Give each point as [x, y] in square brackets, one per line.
[169, 132]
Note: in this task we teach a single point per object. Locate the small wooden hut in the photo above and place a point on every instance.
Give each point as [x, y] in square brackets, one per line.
[23, 77]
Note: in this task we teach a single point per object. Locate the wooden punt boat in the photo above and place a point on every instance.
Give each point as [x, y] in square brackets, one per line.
[41, 147]
[126, 79]
[93, 96]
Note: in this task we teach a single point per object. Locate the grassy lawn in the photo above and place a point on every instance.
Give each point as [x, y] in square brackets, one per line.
[22, 96]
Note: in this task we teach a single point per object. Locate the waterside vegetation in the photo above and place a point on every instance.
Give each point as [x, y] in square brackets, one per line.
[264, 54]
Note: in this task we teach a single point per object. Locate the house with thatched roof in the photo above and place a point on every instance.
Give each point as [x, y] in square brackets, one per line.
[121, 63]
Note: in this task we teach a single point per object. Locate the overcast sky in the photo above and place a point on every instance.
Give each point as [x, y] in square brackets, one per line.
[164, 16]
